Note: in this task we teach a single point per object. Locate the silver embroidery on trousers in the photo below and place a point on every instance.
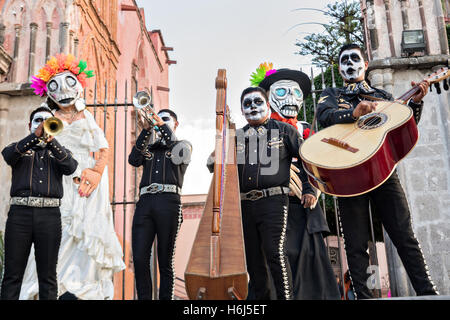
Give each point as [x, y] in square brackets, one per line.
[180, 220]
[287, 293]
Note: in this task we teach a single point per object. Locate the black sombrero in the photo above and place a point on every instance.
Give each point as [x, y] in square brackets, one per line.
[288, 74]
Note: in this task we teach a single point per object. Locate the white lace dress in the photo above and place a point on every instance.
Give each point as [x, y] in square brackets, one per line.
[90, 252]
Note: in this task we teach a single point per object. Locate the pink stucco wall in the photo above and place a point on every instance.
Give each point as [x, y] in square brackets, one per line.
[140, 57]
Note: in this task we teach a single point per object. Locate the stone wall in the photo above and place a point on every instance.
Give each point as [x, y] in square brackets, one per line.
[385, 20]
[425, 175]
[425, 172]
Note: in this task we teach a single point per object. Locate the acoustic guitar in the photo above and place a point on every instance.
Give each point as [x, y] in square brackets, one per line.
[351, 159]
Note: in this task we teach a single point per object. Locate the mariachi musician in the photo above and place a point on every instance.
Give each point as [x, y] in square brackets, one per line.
[346, 105]
[264, 150]
[38, 164]
[158, 212]
[312, 274]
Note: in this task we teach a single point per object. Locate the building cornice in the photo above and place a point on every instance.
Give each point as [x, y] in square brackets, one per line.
[16, 89]
[411, 62]
[144, 30]
[163, 48]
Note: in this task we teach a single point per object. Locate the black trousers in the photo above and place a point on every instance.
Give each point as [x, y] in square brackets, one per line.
[26, 226]
[390, 204]
[160, 215]
[264, 225]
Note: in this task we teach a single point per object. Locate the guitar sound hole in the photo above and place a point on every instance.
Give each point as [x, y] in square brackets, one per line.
[372, 121]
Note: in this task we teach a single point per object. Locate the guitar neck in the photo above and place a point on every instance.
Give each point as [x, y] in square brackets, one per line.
[434, 78]
[408, 94]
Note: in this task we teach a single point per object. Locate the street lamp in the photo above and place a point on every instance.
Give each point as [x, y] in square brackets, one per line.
[413, 41]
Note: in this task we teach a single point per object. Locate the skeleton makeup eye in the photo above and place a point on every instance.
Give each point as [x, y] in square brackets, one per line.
[344, 58]
[247, 103]
[165, 119]
[53, 85]
[71, 81]
[281, 92]
[297, 93]
[355, 57]
[258, 101]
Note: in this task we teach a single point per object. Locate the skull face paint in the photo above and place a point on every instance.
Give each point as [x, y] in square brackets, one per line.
[168, 119]
[286, 98]
[351, 64]
[64, 89]
[38, 118]
[254, 106]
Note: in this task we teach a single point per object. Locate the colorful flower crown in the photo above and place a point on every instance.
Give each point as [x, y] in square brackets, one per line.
[56, 65]
[264, 70]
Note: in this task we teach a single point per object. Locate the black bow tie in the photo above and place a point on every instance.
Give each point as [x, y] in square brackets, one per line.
[358, 88]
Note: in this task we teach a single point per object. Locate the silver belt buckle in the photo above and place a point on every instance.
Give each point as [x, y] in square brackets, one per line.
[35, 202]
[254, 195]
[155, 188]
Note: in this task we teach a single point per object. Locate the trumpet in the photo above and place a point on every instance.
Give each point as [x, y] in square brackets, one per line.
[52, 127]
[142, 101]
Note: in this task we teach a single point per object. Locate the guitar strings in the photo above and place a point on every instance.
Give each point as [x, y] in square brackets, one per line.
[374, 119]
[368, 124]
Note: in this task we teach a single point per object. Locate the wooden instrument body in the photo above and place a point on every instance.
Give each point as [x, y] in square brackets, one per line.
[233, 270]
[217, 268]
[340, 172]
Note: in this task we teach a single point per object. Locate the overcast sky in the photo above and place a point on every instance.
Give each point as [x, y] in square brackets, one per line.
[236, 35]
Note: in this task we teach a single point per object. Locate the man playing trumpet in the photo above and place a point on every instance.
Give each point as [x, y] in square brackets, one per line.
[158, 212]
[38, 163]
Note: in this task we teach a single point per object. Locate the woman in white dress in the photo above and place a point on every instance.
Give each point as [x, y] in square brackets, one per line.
[90, 252]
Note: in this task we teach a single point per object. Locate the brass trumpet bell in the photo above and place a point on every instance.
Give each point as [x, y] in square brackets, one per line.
[142, 101]
[53, 126]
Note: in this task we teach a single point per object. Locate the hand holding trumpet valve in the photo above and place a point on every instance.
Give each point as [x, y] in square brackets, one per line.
[142, 101]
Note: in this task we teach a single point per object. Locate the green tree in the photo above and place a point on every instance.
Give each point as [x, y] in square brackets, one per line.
[344, 26]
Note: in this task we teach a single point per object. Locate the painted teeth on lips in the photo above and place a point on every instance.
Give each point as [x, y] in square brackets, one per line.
[66, 98]
[290, 112]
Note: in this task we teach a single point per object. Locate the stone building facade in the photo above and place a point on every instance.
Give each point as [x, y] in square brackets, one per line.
[111, 35]
[425, 173]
